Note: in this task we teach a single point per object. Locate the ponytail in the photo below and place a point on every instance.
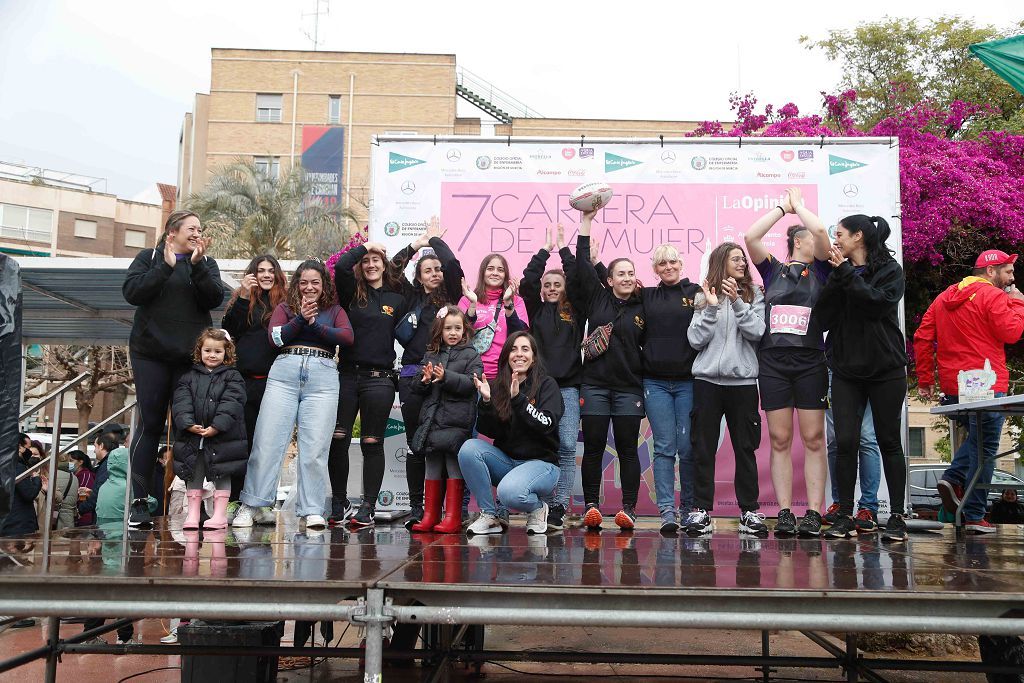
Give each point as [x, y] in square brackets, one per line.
[876, 231]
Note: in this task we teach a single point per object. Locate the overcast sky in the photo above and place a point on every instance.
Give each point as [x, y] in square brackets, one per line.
[99, 87]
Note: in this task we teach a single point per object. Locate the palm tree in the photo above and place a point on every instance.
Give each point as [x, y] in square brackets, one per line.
[248, 212]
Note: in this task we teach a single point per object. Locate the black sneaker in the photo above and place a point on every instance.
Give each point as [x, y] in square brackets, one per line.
[753, 523]
[415, 516]
[698, 523]
[138, 516]
[669, 522]
[866, 521]
[341, 510]
[843, 527]
[365, 516]
[832, 514]
[785, 527]
[895, 529]
[626, 517]
[810, 525]
[556, 517]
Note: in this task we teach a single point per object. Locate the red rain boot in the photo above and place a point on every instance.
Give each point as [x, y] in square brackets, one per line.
[431, 506]
[220, 511]
[452, 522]
[195, 501]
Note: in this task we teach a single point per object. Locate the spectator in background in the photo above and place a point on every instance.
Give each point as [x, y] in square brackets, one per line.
[83, 469]
[21, 520]
[103, 446]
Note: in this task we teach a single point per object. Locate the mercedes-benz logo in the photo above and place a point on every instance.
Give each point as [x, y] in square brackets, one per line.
[401, 454]
[851, 190]
[668, 156]
[454, 155]
[408, 187]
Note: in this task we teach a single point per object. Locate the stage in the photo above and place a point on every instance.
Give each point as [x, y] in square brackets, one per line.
[385, 576]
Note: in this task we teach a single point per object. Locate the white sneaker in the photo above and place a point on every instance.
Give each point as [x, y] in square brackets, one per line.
[171, 638]
[486, 523]
[315, 522]
[243, 517]
[265, 516]
[537, 521]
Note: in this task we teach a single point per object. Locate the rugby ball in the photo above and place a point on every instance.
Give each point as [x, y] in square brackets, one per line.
[590, 196]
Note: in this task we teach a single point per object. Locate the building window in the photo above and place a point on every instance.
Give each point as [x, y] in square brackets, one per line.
[85, 228]
[917, 442]
[135, 239]
[334, 109]
[26, 223]
[268, 166]
[268, 108]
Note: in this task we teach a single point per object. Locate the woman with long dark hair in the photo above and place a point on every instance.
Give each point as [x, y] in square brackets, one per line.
[726, 330]
[791, 359]
[612, 389]
[860, 309]
[376, 297]
[520, 411]
[86, 479]
[263, 287]
[174, 286]
[494, 290]
[437, 283]
[549, 295]
[302, 391]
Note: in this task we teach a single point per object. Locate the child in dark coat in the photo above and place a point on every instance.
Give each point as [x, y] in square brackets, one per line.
[447, 416]
[209, 417]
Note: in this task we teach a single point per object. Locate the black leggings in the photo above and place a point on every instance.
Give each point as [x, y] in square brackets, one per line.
[415, 464]
[849, 399]
[626, 430]
[738, 404]
[372, 398]
[154, 385]
[254, 390]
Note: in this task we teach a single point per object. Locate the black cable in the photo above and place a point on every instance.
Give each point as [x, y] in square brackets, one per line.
[143, 673]
[648, 675]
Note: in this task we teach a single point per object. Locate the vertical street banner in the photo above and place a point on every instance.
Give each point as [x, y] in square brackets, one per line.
[500, 196]
[323, 160]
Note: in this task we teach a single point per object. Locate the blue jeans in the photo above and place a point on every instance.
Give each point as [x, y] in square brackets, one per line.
[522, 484]
[965, 460]
[869, 466]
[669, 403]
[568, 435]
[301, 390]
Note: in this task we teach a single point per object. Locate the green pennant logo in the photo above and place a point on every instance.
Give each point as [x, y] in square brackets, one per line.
[399, 162]
[841, 165]
[613, 162]
[394, 427]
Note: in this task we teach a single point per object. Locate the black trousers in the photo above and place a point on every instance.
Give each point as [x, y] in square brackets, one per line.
[415, 464]
[739, 406]
[254, 390]
[154, 385]
[849, 399]
[371, 398]
[626, 432]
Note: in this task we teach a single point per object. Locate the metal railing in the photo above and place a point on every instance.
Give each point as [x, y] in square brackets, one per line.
[497, 97]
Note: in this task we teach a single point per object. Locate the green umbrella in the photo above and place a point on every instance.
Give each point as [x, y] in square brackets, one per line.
[1005, 57]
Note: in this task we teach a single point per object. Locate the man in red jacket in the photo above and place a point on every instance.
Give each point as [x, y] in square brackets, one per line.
[967, 324]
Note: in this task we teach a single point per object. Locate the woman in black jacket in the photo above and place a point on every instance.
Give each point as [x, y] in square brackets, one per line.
[209, 416]
[174, 287]
[437, 282]
[859, 307]
[521, 414]
[22, 520]
[246, 318]
[375, 295]
[612, 389]
[448, 414]
[552, 302]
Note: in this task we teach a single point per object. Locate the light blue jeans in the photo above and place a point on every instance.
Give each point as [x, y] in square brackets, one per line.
[301, 390]
[869, 463]
[965, 460]
[668, 404]
[568, 435]
[522, 484]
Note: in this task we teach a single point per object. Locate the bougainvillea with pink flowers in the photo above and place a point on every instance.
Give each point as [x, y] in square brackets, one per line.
[358, 237]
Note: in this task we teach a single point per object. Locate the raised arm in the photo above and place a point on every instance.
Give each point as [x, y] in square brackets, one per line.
[754, 237]
[344, 278]
[810, 221]
[206, 280]
[146, 277]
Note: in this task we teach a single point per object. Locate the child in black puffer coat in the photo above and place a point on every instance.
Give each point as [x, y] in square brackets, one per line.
[209, 418]
[447, 416]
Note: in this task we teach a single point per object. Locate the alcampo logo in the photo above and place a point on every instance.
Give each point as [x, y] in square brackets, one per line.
[841, 165]
[613, 162]
[398, 162]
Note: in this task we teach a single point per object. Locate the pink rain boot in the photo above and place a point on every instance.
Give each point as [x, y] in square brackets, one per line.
[220, 511]
[195, 500]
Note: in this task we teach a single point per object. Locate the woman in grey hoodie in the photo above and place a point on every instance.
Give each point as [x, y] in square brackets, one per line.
[726, 329]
